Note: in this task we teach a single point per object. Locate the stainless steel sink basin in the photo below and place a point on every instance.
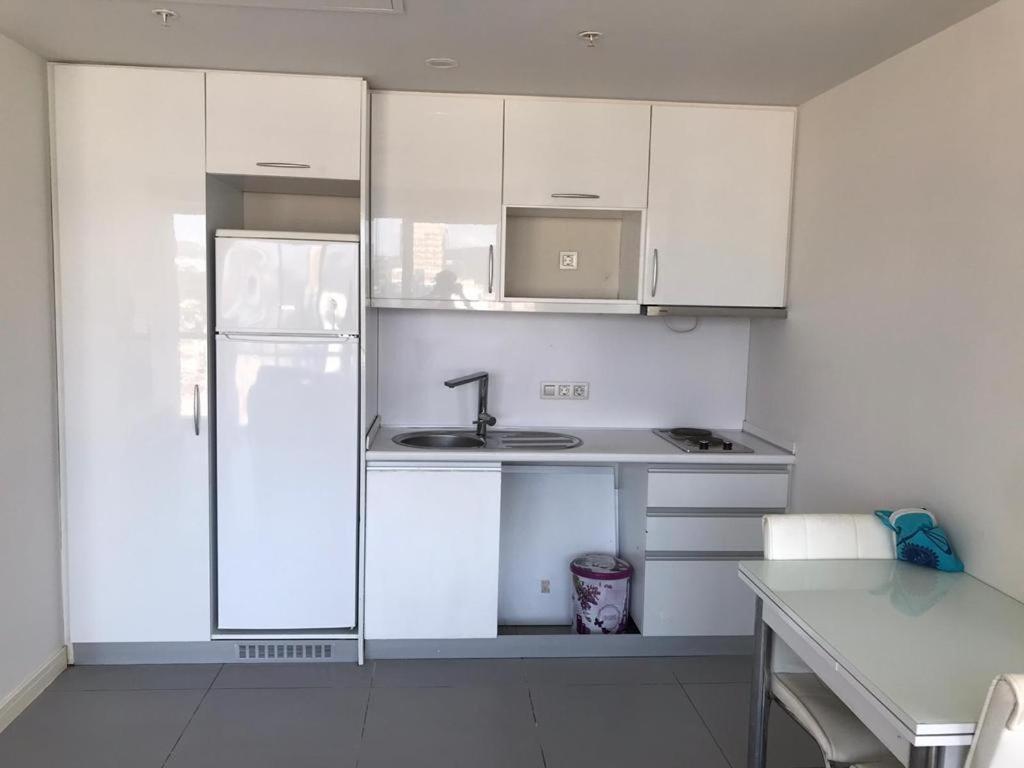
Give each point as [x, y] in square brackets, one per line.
[435, 439]
[500, 440]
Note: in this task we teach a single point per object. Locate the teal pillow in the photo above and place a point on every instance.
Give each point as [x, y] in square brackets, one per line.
[919, 540]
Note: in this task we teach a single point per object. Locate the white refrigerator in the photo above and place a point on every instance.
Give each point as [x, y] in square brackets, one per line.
[287, 430]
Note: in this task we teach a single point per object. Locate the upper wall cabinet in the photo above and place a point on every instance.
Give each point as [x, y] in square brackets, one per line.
[576, 153]
[435, 197]
[283, 125]
[719, 208]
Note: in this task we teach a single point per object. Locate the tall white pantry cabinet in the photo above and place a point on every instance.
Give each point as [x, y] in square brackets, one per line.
[130, 231]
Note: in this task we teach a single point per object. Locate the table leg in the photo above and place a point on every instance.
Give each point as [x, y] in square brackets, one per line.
[927, 757]
[760, 688]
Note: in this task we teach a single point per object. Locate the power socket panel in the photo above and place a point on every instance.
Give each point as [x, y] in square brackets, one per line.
[565, 390]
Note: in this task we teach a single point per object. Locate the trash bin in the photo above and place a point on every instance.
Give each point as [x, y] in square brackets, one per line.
[600, 594]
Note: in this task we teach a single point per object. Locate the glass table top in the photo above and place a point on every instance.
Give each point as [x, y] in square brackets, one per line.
[926, 644]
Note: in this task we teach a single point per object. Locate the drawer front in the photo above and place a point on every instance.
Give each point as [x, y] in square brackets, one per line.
[696, 598]
[718, 489]
[704, 533]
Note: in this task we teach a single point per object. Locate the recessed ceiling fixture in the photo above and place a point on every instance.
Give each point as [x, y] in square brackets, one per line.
[442, 62]
[166, 16]
[590, 37]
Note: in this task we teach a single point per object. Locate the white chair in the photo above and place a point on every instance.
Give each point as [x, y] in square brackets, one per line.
[843, 738]
[999, 742]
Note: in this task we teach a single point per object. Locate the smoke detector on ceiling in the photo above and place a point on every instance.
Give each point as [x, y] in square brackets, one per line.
[590, 37]
[166, 16]
[441, 62]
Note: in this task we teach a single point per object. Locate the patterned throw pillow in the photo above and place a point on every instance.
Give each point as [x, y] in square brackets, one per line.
[919, 540]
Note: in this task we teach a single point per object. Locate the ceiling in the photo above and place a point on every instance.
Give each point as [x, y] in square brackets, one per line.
[741, 51]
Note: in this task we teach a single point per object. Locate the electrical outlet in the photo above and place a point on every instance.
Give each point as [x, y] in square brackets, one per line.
[568, 259]
[564, 390]
[545, 586]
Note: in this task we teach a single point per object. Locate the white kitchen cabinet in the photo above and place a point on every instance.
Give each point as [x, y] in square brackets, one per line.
[283, 125]
[432, 551]
[435, 197]
[131, 286]
[576, 153]
[696, 598]
[719, 206]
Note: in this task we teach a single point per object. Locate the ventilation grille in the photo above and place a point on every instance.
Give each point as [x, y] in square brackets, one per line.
[285, 651]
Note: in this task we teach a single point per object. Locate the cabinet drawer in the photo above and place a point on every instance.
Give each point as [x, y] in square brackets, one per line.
[740, 489]
[700, 533]
[696, 598]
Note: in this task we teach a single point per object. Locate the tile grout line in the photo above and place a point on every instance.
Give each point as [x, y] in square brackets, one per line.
[192, 716]
[366, 713]
[704, 722]
[536, 724]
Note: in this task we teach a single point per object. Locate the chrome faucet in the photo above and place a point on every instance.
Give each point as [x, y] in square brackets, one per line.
[483, 418]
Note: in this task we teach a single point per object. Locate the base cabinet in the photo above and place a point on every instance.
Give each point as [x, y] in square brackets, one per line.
[696, 598]
[432, 551]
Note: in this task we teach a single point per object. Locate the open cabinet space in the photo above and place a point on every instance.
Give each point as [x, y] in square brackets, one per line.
[582, 255]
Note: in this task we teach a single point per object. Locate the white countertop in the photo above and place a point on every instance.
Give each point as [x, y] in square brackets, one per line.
[607, 446]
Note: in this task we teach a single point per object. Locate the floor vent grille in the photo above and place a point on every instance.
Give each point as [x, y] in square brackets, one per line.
[285, 651]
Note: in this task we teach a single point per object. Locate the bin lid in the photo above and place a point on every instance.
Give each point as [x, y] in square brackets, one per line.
[603, 567]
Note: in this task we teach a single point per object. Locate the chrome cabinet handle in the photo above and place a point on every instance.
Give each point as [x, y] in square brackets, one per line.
[195, 408]
[284, 165]
[490, 269]
[575, 196]
[654, 274]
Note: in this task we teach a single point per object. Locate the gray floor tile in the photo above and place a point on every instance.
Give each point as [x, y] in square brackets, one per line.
[136, 677]
[97, 729]
[265, 728]
[450, 727]
[713, 669]
[294, 675]
[617, 725]
[725, 709]
[468, 673]
[654, 671]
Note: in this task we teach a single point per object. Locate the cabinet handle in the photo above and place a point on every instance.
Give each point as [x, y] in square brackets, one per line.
[195, 408]
[575, 196]
[654, 274]
[284, 165]
[490, 269]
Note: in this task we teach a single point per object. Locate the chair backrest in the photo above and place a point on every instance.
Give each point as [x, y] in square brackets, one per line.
[999, 741]
[827, 537]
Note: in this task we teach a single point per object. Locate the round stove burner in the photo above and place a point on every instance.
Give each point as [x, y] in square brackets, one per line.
[681, 433]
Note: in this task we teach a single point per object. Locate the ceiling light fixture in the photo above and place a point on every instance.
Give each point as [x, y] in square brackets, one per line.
[589, 37]
[166, 16]
[442, 62]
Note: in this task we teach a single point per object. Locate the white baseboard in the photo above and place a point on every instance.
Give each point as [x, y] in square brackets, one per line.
[14, 703]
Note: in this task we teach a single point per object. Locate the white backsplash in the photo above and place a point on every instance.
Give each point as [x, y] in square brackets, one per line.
[641, 374]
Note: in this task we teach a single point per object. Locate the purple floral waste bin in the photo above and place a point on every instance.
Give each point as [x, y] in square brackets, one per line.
[600, 594]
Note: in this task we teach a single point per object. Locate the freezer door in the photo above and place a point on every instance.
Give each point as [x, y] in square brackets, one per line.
[287, 469]
[287, 286]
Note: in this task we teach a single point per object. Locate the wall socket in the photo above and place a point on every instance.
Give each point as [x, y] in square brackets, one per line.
[568, 259]
[565, 390]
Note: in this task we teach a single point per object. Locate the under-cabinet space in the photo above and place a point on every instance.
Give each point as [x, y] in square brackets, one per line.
[550, 515]
[555, 254]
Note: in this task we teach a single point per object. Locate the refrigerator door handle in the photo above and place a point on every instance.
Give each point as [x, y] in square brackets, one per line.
[285, 338]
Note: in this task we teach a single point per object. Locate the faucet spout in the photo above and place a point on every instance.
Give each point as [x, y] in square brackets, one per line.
[483, 419]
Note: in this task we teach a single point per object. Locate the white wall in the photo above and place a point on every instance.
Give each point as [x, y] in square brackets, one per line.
[30, 587]
[900, 370]
[641, 374]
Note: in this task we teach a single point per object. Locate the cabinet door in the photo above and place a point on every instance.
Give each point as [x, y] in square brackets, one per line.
[696, 598]
[718, 214]
[432, 552]
[283, 125]
[435, 196]
[131, 238]
[576, 153]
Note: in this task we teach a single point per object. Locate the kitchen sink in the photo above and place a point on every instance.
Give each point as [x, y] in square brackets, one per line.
[440, 440]
[507, 440]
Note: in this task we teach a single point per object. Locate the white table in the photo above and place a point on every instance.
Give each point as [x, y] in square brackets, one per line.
[909, 650]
